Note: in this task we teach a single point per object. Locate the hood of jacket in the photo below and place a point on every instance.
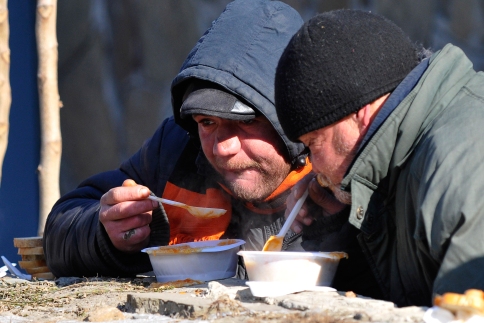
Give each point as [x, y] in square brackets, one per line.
[240, 52]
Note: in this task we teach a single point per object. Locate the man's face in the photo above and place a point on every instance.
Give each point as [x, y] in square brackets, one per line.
[246, 154]
[332, 151]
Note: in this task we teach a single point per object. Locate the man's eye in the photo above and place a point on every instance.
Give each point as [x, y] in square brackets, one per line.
[250, 121]
[206, 122]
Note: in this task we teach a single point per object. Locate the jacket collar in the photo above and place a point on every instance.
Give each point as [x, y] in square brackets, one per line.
[397, 96]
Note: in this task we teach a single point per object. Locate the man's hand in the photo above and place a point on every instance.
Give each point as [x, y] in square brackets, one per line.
[126, 215]
[322, 202]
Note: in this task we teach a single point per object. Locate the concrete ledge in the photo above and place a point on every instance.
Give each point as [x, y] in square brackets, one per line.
[232, 298]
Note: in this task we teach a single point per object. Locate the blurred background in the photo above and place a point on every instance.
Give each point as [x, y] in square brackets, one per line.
[117, 59]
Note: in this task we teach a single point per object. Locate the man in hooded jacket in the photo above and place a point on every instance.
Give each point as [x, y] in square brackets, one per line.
[396, 136]
[225, 91]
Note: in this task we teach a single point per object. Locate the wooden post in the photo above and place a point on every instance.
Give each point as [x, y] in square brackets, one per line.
[51, 141]
[5, 91]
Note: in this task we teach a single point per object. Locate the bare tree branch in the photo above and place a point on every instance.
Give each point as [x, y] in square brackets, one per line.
[5, 91]
[51, 143]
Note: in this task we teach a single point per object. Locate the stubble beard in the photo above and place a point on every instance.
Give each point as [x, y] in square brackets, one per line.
[268, 180]
[343, 148]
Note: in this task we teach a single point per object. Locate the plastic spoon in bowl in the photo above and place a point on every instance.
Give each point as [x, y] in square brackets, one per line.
[199, 212]
[274, 243]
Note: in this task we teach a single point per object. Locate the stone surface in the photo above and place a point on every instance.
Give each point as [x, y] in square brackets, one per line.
[220, 300]
[230, 300]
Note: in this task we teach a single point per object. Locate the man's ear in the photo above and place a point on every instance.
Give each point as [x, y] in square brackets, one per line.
[364, 116]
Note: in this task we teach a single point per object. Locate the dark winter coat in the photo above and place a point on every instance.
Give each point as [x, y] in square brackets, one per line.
[417, 186]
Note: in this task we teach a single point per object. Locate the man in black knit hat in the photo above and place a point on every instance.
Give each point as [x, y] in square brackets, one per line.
[396, 139]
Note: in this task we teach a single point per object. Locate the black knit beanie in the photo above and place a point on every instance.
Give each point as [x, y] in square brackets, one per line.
[338, 62]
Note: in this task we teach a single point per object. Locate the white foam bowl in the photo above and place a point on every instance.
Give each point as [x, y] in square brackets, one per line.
[301, 268]
[204, 260]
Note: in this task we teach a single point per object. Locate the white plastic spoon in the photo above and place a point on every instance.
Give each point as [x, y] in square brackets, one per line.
[200, 212]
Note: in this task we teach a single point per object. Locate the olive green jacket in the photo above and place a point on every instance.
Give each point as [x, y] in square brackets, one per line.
[418, 186]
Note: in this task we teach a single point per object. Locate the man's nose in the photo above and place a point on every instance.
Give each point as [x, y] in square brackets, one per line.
[226, 146]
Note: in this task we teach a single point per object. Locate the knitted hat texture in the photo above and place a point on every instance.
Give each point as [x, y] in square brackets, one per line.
[336, 63]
